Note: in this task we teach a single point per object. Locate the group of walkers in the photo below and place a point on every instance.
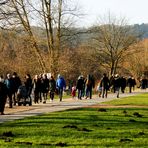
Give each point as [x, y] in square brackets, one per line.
[118, 83]
[84, 87]
[12, 89]
[8, 89]
[38, 88]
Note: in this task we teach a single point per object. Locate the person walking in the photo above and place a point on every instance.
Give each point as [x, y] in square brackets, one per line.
[130, 84]
[60, 85]
[105, 83]
[123, 84]
[9, 84]
[3, 95]
[117, 84]
[36, 87]
[112, 83]
[80, 86]
[144, 83]
[52, 88]
[28, 85]
[45, 87]
[73, 91]
[16, 83]
[90, 84]
[133, 83]
[99, 88]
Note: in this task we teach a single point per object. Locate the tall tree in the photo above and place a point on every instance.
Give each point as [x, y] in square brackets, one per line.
[57, 17]
[52, 16]
[113, 39]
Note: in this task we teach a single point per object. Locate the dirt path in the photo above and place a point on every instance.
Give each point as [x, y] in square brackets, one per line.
[19, 112]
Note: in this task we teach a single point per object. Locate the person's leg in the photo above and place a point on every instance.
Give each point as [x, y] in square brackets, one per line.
[130, 89]
[60, 94]
[81, 94]
[117, 90]
[36, 97]
[78, 93]
[40, 95]
[87, 93]
[2, 105]
[103, 92]
[99, 94]
[122, 89]
[51, 96]
[90, 93]
[46, 94]
[44, 97]
[106, 91]
[10, 99]
[14, 98]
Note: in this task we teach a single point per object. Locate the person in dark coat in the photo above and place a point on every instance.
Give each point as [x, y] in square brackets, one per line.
[36, 87]
[105, 83]
[130, 83]
[112, 83]
[9, 85]
[45, 87]
[117, 84]
[16, 83]
[40, 88]
[3, 95]
[133, 83]
[52, 88]
[144, 83]
[123, 84]
[28, 84]
[80, 85]
[90, 84]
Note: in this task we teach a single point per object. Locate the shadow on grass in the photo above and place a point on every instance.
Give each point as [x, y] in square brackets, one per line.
[82, 123]
[79, 116]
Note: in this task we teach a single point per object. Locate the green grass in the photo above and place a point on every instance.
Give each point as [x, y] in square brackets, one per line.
[140, 100]
[81, 128]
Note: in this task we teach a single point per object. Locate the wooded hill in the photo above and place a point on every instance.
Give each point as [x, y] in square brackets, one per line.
[78, 54]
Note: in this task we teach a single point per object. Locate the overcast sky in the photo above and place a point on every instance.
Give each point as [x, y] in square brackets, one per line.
[136, 11]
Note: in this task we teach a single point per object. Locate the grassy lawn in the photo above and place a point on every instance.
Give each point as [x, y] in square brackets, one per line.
[140, 100]
[82, 128]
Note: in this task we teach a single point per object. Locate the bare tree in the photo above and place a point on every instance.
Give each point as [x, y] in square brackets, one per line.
[57, 17]
[21, 10]
[14, 14]
[113, 39]
[53, 16]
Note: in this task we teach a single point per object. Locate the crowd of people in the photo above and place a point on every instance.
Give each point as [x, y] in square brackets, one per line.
[12, 89]
[118, 84]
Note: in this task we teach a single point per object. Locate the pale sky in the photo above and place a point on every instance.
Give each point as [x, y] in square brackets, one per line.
[136, 11]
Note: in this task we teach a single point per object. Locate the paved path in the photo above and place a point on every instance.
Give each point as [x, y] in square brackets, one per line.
[19, 112]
